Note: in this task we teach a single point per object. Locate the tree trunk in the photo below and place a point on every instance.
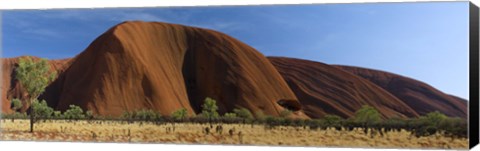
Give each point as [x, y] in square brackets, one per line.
[31, 118]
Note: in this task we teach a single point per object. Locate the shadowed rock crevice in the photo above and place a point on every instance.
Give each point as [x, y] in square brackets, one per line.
[292, 105]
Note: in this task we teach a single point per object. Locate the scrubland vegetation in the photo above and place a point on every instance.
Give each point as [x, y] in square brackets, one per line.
[366, 129]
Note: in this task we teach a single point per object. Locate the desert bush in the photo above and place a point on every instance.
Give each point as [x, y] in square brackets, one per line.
[147, 115]
[272, 122]
[331, 120]
[434, 118]
[244, 114]
[180, 115]
[15, 115]
[41, 110]
[127, 115]
[367, 115]
[298, 122]
[74, 113]
[57, 115]
[454, 127]
[231, 118]
[16, 104]
[260, 116]
[209, 109]
[313, 124]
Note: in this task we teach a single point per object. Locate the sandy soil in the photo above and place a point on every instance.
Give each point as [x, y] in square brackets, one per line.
[111, 131]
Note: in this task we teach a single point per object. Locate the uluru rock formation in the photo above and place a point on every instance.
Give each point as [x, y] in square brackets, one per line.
[324, 89]
[165, 67]
[420, 96]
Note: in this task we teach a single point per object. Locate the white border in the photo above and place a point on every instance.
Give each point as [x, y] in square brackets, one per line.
[61, 4]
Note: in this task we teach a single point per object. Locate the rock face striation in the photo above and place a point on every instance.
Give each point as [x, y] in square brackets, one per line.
[324, 89]
[165, 67]
[341, 90]
[420, 96]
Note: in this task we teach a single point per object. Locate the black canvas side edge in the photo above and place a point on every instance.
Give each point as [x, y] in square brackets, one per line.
[474, 76]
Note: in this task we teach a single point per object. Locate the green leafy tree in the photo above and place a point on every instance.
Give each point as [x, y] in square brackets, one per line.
[74, 112]
[180, 114]
[244, 114]
[33, 76]
[434, 118]
[209, 109]
[41, 110]
[16, 104]
[367, 115]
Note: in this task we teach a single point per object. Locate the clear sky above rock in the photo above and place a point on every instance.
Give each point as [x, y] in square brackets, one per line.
[424, 41]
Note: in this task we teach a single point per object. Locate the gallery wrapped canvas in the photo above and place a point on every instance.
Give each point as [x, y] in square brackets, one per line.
[372, 75]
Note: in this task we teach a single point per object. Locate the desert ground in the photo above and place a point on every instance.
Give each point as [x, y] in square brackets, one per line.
[191, 133]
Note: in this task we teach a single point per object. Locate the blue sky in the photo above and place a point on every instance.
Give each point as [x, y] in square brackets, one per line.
[425, 41]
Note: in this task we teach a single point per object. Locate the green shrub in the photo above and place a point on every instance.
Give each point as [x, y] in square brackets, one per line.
[16, 104]
[367, 115]
[209, 109]
[144, 114]
[331, 120]
[42, 110]
[180, 115]
[74, 112]
[57, 114]
[244, 114]
[127, 115]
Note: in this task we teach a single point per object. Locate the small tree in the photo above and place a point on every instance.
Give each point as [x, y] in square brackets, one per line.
[243, 113]
[34, 77]
[74, 112]
[367, 115]
[209, 109]
[16, 104]
[180, 115]
[41, 110]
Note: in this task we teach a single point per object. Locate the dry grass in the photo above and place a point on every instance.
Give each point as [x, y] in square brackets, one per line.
[110, 131]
